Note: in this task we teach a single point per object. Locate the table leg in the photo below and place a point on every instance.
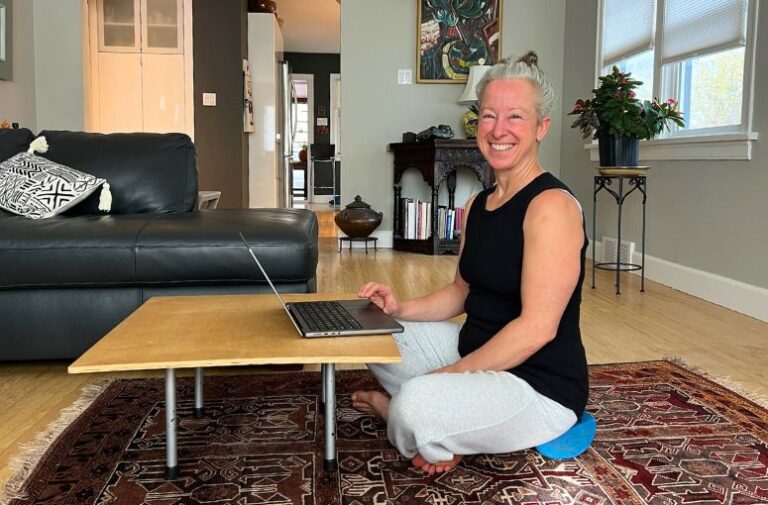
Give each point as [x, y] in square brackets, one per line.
[323, 374]
[329, 463]
[171, 463]
[199, 409]
[366, 246]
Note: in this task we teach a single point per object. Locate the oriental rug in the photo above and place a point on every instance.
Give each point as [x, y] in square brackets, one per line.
[666, 435]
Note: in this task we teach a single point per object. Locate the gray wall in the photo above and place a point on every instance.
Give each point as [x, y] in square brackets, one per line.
[58, 64]
[220, 44]
[706, 215]
[17, 97]
[377, 39]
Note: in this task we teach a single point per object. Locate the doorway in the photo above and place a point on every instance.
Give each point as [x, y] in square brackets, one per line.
[312, 46]
[303, 105]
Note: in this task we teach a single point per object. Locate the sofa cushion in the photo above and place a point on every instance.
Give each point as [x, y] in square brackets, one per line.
[14, 141]
[195, 248]
[148, 172]
[35, 187]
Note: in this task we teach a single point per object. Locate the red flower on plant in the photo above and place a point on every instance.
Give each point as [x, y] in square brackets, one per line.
[578, 107]
[632, 94]
[671, 101]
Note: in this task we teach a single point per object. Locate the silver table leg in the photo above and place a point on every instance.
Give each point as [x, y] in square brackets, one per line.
[329, 389]
[323, 375]
[199, 409]
[171, 465]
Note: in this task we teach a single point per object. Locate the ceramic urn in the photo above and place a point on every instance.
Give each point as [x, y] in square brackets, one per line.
[357, 219]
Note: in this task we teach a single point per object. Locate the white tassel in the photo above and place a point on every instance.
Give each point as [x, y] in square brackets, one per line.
[105, 199]
[39, 145]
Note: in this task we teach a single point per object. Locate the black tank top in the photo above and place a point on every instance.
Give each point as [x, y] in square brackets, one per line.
[492, 263]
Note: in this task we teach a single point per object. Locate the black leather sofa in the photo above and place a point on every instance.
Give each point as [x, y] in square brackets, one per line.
[67, 280]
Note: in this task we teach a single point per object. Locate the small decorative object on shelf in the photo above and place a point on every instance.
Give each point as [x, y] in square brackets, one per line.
[618, 120]
[262, 6]
[303, 154]
[357, 219]
[442, 131]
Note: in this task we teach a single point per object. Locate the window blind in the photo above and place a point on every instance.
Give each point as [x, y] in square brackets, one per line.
[628, 28]
[693, 27]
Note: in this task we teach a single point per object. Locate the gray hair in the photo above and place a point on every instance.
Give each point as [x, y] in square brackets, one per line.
[525, 67]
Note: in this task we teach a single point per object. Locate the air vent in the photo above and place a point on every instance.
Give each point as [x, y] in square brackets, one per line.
[609, 251]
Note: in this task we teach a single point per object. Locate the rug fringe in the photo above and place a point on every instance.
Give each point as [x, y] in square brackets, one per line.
[23, 464]
[755, 396]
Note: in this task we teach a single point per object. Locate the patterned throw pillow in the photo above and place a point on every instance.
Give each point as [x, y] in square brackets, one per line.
[35, 187]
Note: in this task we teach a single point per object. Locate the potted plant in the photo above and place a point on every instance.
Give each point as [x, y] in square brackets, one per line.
[618, 120]
[303, 153]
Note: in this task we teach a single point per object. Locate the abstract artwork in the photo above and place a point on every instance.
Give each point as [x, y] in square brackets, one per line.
[454, 35]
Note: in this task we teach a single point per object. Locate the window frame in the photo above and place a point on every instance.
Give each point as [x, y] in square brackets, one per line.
[715, 143]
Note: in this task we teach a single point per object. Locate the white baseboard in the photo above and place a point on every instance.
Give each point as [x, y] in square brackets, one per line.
[730, 293]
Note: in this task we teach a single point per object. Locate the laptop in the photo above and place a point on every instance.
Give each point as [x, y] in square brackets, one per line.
[333, 318]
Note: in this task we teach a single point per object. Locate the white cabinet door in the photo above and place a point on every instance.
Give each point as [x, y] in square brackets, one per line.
[162, 26]
[120, 107]
[119, 22]
[163, 93]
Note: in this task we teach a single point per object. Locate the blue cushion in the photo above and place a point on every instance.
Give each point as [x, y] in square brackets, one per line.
[573, 442]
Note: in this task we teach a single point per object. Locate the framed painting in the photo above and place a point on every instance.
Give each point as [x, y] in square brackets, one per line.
[6, 39]
[453, 35]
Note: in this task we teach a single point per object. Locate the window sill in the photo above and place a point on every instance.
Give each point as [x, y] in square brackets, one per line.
[732, 146]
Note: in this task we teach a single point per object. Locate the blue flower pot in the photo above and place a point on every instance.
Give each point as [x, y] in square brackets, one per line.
[618, 151]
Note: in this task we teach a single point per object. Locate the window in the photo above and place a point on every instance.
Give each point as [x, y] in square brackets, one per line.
[698, 52]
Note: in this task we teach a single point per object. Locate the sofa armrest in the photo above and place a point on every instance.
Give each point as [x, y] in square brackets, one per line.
[208, 199]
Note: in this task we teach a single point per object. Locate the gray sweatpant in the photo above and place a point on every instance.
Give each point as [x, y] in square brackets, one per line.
[439, 415]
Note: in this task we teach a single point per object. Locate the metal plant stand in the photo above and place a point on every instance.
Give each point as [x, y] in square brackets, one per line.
[633, 183]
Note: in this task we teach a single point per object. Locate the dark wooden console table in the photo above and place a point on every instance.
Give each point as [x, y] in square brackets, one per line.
[437, 161]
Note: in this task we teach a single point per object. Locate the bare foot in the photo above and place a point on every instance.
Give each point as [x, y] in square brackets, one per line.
[432, 468]
[373, 402]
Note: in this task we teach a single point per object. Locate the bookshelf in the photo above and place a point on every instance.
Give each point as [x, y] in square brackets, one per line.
[437, 161]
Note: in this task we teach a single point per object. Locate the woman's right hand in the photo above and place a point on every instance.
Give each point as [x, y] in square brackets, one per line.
[382, 296]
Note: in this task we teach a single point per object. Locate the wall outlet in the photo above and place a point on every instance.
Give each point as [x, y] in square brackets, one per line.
[209, 99]
[405, 76]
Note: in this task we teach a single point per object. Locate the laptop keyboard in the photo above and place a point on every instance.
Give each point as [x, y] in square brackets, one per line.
[325, 316]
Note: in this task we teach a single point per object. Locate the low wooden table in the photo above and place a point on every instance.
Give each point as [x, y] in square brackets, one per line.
[176, 332]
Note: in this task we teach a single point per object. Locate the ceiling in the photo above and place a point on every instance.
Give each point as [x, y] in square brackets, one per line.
[310, 26]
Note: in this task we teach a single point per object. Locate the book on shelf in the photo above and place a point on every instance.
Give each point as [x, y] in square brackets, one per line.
[416, 220]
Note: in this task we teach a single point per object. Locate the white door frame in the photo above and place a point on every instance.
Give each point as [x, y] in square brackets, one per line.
[310, 79]
[336, 114]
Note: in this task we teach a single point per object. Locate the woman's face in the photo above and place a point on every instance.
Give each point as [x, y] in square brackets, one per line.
[509, 130]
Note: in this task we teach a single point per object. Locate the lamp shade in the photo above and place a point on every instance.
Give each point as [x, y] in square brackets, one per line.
[476, 73]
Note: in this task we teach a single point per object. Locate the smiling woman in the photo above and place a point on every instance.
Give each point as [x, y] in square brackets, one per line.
[6, 40]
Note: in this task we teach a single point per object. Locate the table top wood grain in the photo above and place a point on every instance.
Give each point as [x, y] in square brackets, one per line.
[224, 330]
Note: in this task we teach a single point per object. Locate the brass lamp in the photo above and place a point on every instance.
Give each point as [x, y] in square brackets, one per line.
[469, 97]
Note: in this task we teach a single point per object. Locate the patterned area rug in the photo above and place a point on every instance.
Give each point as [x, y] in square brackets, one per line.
[665, 436]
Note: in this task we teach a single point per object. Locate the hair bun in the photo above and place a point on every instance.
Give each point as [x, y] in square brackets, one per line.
[529, 58]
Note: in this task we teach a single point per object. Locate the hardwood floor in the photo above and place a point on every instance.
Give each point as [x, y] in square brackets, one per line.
[633, 326]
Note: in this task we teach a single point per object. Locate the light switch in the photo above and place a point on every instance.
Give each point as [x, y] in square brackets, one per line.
[209, 99]
[405, 76]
